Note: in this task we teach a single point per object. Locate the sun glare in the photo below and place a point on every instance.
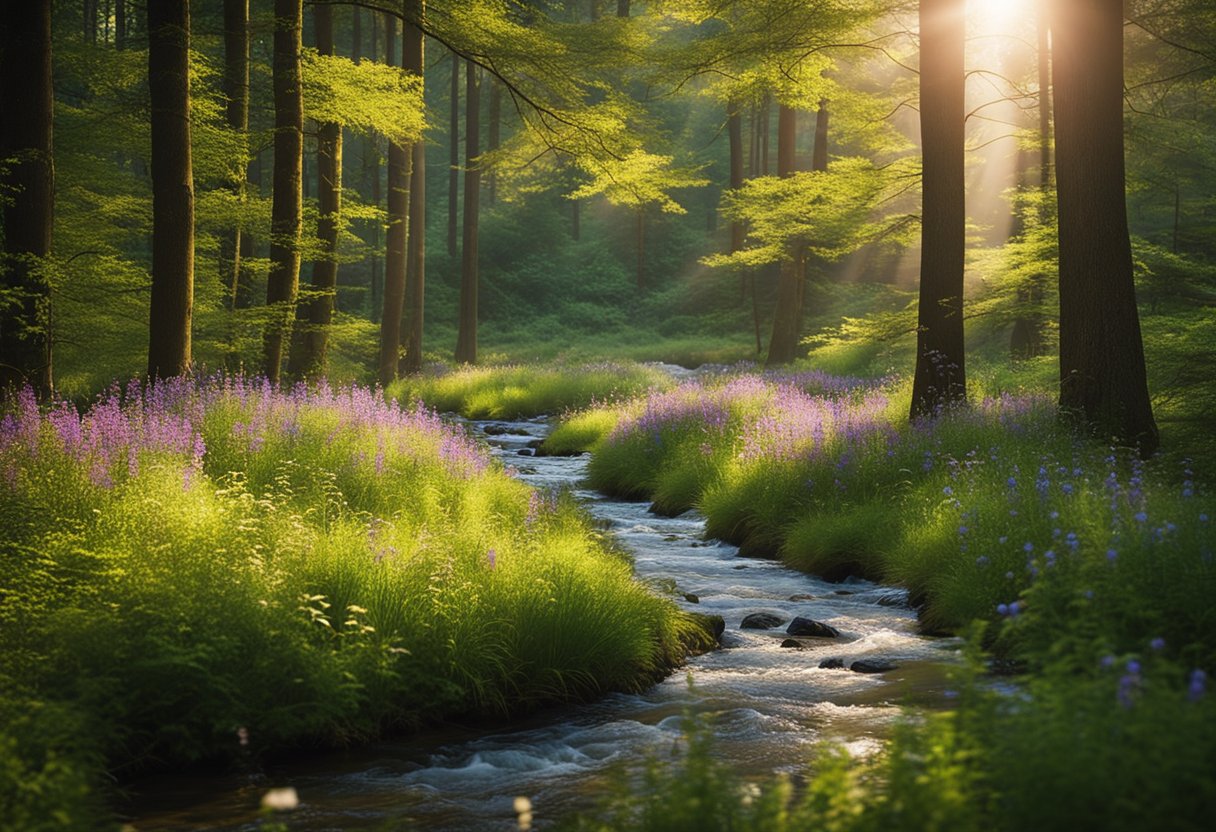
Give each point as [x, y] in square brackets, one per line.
[995, 15]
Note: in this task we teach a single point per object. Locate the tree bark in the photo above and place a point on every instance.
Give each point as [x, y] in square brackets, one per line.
[787, 316]
[27, 102]
[172, 189]
[595, 10]
[1026, 340]
[310, 340]
[466, 341]
[494, 137]
[285, 215]
[1102, 372]
[395, 242]
[120, 24]
[819, 155]
[453, 153]
[413, 57]
[940, 379]
[622, 8]
[734, 129]
[237, 246]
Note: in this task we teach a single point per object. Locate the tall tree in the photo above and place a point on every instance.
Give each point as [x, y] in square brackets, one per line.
[819, 153]
[286, 205]
[466, 341]
[1026, 339]
[120, 24]
[313, 317]
[28, 180]
[734, 128]
[413, 58]
[395, 243]
[940, 379]
[453, 153]
[494, 137]
[1102, 371]
[622, 8]
[237, 247]
[787, 316]
[172, 189]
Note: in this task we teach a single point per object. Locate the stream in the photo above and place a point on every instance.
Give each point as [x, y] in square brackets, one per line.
[770, 705]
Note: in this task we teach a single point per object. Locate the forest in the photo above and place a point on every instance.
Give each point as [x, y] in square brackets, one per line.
[563, 414]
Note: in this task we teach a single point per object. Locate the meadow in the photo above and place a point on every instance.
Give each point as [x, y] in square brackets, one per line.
[1081, 575]
[215, 572]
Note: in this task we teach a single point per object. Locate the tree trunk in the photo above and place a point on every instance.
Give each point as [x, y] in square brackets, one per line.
[787, 316]
[120, 24]
[413, 58]
[576, 220]
[314, 317]
[765, 120]
[940, 379]
[27, 102]
[734, 125]
[787, 140]
[172, 189]
[641, 248]
[1026, 340]
[356, 34]
[285, 214]
[395, 242]
[466, 341]
[1102, 371]
[595, 10]
[819, 155]
[89, 22]
[622, 8]
[453, 153]
[494, 137]
[236, 246]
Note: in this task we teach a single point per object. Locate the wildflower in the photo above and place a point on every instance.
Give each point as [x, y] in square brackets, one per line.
[1002, 539]
[1028, 547]
[1197, 686]
[492, 557]
[1108, 661]
[1011, 482]
[1157, 643]
[948, 491]
[1133, 667]
[1009, 576]
[242, 735]
[1112, 555]
[1141, 516]
[982, 560]
[1002, 609]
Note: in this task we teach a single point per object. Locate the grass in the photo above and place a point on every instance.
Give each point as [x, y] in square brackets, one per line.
[1085, 569]
[522, 390]
[217, 571]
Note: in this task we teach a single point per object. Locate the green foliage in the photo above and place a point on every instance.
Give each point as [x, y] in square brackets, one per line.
[314, 569]
[514, 391]
[365, 97]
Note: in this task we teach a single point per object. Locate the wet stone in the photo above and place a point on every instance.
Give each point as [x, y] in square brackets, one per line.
[835, 663]
[803, 597]
[809, 627]
[691, 598]
[793, 642]
[872, 666]
[843, 592]
[526, 452]
[762, 621]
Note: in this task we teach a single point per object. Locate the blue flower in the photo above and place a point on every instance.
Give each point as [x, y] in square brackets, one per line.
[1112, 555]
[1198, 685]
[1141, 516]
[1028, 547]
[948, 491]
[1157, 643]
[1002, 609]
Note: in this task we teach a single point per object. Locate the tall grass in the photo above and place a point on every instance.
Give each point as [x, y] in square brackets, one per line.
[520, 390]
[218, 570]
[1085, 569]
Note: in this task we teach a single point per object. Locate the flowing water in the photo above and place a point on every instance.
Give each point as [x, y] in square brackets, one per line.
[769, 705]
